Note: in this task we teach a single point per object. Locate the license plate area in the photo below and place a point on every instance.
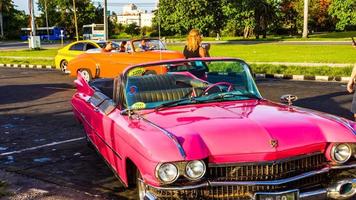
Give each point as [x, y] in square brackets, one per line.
[287, 195]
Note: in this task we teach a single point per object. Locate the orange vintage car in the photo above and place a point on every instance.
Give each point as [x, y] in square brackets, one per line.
[95, 64]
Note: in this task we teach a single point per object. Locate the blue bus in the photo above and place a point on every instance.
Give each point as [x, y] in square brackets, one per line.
[54, 33]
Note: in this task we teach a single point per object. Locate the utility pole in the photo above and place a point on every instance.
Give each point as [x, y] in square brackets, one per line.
[46, 19]
[32, 15]
[305, 25]
[105, 21]
[1, 22]
[75, 21]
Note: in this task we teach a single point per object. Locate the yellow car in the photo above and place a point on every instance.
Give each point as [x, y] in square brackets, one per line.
[74, 49]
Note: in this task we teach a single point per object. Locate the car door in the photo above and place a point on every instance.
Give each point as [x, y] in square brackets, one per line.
[96, 109]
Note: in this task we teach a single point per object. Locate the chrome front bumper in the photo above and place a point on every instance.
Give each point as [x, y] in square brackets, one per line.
[341, 189]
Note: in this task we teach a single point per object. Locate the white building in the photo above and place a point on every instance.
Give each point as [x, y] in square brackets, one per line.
[131, 14]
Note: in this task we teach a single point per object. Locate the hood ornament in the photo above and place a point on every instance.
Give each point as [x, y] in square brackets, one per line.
[273, 143]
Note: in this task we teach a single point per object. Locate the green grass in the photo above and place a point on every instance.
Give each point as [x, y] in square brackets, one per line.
[31, 53]
[283, 53]
[35, 57]
[297, 70]
[328, 36]
[32, 61]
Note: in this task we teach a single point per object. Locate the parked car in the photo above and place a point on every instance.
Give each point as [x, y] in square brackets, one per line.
[200, 129]
[96, 64]
[74, 49]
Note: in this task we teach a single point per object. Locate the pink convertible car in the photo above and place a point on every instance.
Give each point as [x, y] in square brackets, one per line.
[199, 129]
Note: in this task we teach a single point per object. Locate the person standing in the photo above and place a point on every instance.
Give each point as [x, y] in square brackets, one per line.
[350, 89]
[194, 47]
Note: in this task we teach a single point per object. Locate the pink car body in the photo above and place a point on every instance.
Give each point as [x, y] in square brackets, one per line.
[250, 136]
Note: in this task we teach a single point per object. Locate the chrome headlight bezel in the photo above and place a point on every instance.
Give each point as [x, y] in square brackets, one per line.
[164, 165]
[336, 148]
[189, 166]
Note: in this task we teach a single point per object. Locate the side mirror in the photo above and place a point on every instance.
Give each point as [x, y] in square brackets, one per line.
[288, 98]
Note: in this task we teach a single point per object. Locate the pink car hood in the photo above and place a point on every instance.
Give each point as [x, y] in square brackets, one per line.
[248, 131]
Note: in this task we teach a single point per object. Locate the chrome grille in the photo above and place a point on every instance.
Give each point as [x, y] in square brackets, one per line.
[266, 171]
[253, 172]
[236, 192]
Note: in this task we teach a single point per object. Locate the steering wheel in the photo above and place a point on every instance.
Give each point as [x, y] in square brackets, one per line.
[230, 86]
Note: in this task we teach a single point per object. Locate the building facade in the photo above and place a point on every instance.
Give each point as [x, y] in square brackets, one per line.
[131, 14]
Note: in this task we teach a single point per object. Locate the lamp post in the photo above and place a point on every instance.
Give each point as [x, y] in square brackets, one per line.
[46, 19]
[75, 21]
[105, 21]
[305, 25]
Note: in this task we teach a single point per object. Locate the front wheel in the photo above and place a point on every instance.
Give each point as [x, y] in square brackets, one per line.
[63, 65]
[86, 74]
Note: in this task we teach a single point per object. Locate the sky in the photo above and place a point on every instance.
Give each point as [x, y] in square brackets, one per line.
[113, 5]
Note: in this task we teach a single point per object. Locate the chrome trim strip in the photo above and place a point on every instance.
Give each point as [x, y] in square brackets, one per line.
[280, 161]
[149, 196]
[344, 166]
[254, 183]
[189, 187]
[319, 194]
[96, 133]
[170, 135]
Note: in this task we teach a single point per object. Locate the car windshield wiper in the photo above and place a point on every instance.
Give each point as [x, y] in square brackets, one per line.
[231, 95]
[176, 102]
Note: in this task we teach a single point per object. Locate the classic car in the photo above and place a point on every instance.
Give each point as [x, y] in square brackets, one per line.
[199, 129]
[96, 64]
[74, 49]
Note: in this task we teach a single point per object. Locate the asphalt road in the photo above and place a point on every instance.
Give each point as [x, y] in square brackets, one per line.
[35, 111]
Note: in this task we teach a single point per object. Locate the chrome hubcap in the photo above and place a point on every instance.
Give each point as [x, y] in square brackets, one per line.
[63, 66]
[86, 75]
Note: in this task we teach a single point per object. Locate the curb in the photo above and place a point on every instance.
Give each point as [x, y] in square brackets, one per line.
[28, 66]
[258, 76]
[303, 77]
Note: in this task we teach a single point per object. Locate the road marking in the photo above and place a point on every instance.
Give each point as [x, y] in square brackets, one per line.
[41, 146]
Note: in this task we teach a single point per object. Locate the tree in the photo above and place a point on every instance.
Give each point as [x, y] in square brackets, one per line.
[181, 16]
[132, 29]
[12, 19]
[344, 11]
[60, 13]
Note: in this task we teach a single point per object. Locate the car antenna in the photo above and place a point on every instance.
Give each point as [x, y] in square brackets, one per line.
[159, 34]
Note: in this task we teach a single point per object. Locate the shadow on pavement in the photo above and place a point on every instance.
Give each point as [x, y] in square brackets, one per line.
[22, 93]
[327, 103]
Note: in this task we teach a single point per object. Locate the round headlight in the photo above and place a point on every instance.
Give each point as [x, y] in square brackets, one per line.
[341, 153]
[167, 173]
[195, 169]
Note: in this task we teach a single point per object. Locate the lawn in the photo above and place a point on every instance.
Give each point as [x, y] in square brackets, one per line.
[266, 52]
[283, 53]
[30, 53]
[328, 36]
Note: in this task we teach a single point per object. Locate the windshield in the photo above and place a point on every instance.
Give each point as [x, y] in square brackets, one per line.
[188, 82]
[148, 44]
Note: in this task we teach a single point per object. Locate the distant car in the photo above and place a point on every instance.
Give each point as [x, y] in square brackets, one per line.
[200, 129]
[97, 64]
[74, 49]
